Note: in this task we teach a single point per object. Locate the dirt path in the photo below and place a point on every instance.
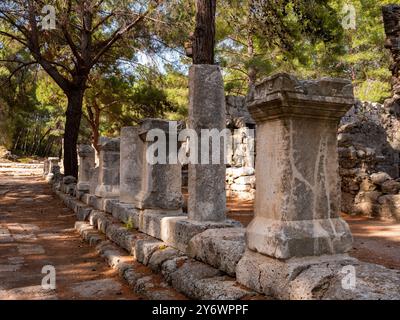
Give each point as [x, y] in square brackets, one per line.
[37, 230]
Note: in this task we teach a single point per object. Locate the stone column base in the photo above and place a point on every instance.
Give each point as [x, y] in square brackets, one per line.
[299, 238]
[178, 231]
[296, 278]
[83, 186]
[107, 191]
[329, 277]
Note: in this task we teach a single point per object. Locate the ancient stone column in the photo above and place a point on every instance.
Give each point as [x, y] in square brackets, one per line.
[52, 162]
[108, 181]
[297, 206]
[206, 184]
[161, 182]
[86, 163]
[131, 164]
[46, 165]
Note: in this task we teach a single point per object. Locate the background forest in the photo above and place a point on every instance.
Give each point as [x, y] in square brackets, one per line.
[148, 77]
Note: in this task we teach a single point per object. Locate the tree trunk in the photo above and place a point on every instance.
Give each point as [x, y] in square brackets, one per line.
[71, 133]
[251, 71]
[391, 19]
[204, 34]
[94, 121]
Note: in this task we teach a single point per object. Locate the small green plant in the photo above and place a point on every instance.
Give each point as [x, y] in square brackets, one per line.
[162, 247]
[130, 224]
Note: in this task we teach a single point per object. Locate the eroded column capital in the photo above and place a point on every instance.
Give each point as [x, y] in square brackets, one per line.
[283, 95]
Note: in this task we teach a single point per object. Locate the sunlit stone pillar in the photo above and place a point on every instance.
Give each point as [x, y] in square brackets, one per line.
[206, 184]
[297, 206]
[86, 163]
[108, 179]
[52, 163]
[161, 176]
[131, 164]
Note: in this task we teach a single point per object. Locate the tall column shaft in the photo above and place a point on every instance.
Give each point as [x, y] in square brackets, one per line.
[206, 184]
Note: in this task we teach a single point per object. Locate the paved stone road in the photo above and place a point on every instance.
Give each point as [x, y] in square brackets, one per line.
[37, 230]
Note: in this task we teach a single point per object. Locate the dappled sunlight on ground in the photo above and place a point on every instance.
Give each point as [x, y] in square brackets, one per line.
[37, 230]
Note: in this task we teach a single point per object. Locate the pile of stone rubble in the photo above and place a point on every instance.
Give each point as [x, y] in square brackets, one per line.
[368, 146]
[241, 182]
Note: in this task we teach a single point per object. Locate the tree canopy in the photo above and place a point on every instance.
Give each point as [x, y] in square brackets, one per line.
[114, 62]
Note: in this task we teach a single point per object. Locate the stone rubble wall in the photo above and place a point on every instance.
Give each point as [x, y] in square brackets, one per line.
[240, 175]
[368, 147]
[241, 182]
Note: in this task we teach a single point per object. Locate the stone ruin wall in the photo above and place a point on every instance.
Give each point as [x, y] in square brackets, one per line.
[240, 173]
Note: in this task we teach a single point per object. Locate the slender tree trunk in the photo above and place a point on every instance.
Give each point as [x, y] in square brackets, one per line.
[204, 34]
[251, 71]
[72, 124]
[93, 118]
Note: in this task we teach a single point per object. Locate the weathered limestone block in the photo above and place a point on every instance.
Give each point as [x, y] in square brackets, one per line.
[317, 278]
[46, 165]
[145, 248]
[298, 193]
[108, 182]
[94, 180]
[68, 185]
[178, 231]
[239, 172]
[367, 185]
[161, 182]
[221, 248]
[82, 211]
[86, 163]
[250, 180]
[108, 204]
[132, 148]
[366, 203]
[207, 198]
[379, 178]
[390, 207]
[391, 187]
[200, 281]
[53, 168]
[162, 255]
[126, 213]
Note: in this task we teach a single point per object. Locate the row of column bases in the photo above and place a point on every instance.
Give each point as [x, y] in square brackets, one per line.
[297, 199]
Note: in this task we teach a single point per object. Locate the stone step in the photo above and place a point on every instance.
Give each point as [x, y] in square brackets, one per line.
[192, 278]
[141, 279]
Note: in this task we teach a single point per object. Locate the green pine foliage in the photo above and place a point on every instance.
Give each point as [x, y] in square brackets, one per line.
[254, 39]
